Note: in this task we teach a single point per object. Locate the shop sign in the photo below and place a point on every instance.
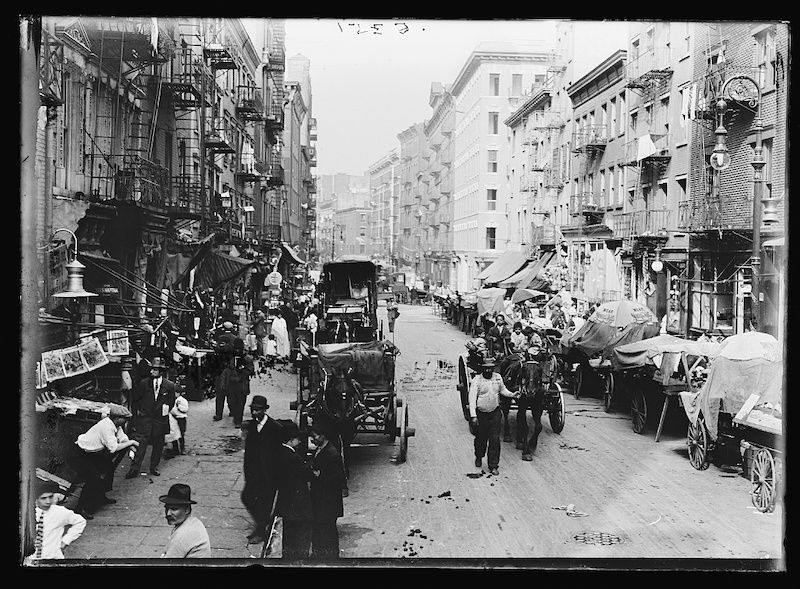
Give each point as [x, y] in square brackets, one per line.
[274, 278]
[108, 289]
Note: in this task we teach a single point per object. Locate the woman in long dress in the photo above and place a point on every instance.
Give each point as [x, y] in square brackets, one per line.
[281, 332]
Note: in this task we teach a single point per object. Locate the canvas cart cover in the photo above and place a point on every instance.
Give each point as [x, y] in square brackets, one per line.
[746, 363]
[372, 362]
[640, 353]
[490, 300]
[589, 339]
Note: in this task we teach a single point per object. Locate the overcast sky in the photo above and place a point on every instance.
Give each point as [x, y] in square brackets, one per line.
[367, 87]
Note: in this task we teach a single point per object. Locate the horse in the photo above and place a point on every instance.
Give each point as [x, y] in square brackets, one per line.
[338, 404]
[509, 368]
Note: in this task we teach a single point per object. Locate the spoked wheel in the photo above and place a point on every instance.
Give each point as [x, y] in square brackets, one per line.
[697, 444]
[763, 478]
[463, 387]
[638, 411]
[608, 391]
[404, 432]
[391, 419]
[577, 384]
[556, 410]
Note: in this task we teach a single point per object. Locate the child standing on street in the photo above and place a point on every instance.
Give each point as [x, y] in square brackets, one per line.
[180, 411]
[271, 350]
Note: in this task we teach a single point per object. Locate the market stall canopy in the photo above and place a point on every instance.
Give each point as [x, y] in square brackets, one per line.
[622, 313]
[491, 300]
[216, 268]
[747, 363]
[289, 251]
[525, 277]
[777, 242]
[523, 294]
[638, 354]
[507, 264]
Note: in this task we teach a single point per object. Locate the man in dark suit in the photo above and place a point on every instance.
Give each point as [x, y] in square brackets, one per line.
[224, 346]
[326, 493]
[151, 403]
[263, 437]
[294, 499]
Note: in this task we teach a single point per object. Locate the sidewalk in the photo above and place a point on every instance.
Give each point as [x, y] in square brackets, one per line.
[135, 527]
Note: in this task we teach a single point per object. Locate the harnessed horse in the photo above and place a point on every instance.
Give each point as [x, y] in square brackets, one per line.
[339, 404]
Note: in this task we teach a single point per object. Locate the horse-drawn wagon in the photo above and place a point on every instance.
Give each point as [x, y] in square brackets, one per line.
[346, 378]
[739, 410]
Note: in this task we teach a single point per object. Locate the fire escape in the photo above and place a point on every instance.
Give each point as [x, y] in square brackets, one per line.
[119, 138]
[588, 143]
[648, 75]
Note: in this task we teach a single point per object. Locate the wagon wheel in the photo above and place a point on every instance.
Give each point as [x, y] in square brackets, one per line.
[404, 432]
[556, 410]
[638, 411]
[763, 479]
[463, 387]
[391, 419]
[577, 383]
[608, 391]
[697, 443]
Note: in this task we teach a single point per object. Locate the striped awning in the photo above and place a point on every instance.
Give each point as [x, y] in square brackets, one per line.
[217, 268]
[507, 264]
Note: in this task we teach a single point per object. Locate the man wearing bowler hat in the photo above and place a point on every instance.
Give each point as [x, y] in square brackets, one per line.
[294, 500]
[263, 437]
[189, 538]
[484, 412]
[151, 403]
[326, 493]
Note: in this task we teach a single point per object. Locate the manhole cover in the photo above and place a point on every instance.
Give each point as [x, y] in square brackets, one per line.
[602, 538]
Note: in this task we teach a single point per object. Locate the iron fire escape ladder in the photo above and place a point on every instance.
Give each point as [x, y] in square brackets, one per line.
[153, 122]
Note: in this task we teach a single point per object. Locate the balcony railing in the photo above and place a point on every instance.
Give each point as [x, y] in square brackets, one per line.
[543, 235]
[715, 77]
[277, 59]
[248, 169]
[189, 79]
[446, 184]
[589, 138]
[538, 165]
[249, 104]
[528, 184]
[646, 150]
[547, 119]
[685, 214]
[585, 203]
[142, 181]
[553, 178]
[642, 223]
[447, 125]
[219, 135]
[274, 121]
[651, 64]
[221, 56]
[184, 198]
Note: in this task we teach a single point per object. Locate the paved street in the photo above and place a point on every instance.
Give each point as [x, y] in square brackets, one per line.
[642, 494]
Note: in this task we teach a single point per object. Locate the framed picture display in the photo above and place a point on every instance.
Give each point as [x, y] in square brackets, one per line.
[53, 365]
[93, 354]
[117, 342]
[73, 361]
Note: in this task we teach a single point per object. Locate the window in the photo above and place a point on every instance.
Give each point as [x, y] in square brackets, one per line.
[492, 154]
[491, 199]
[634, 118]
[602, 200]
[493, 123]
[621, 180]
[538, 79]
[494, 84]
[687, 38]
[612, 189]
[612, 128]
[766, 155]
[603, 120]
[634, 51]
[516, 84]
[491, 233]
[623, 114]
[765, 57]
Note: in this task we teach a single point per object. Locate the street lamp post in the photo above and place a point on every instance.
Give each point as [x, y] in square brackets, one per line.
[743, 88]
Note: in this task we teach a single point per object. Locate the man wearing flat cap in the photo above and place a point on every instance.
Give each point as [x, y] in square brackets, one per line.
[484, 412]
[294, 499]
[95, 457]
[326, 492]
[189, 538]
[263, 437]
[54, 526]
[151, 403]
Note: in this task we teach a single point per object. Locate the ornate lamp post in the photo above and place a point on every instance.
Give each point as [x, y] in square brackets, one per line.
[745, 89]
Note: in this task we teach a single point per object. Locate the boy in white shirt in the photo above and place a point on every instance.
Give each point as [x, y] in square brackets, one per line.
[180, 411]
[271, 350]
[55, 526]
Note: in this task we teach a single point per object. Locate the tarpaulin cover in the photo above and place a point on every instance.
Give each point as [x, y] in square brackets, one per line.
[746, 363]
[289, 251]
[638, 354]
[529, 273]
[491, 300]
[372, 362]
[217, 268]
[507, 264]
[592, 337]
